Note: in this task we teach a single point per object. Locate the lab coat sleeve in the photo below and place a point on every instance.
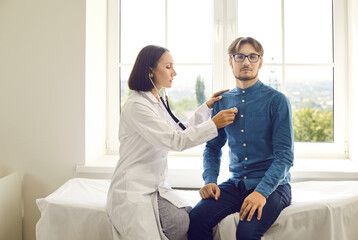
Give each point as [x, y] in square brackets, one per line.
[201, 115]
[159, 133]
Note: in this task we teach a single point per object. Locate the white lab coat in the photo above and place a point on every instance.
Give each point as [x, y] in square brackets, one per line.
[146, 134]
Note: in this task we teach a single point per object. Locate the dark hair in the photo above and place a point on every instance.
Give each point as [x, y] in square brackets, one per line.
[237, 43]
[147, 58]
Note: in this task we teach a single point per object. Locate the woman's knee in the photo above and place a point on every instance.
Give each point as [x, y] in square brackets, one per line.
[176, 226]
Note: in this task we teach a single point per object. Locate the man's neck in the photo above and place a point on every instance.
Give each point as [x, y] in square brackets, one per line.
[245, 84]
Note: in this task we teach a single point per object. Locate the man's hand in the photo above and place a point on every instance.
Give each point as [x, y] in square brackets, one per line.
[210, 190]
[255, 201]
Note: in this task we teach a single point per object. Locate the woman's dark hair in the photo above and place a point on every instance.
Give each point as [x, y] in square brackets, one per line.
[147, 58]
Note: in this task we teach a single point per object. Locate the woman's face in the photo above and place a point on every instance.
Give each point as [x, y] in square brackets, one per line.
[164, 71]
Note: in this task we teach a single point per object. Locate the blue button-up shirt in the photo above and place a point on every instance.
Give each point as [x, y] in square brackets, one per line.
[260, 139]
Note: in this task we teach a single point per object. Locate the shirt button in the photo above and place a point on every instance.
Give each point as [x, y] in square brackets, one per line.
[245, 177]
[243, 91]
[246, 159]
[245, 167]
[244, 144]
[242, 115]
[242, 100]
[242, 130]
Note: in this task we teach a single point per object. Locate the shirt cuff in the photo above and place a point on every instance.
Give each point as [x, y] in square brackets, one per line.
[266, 191]
[211, 179]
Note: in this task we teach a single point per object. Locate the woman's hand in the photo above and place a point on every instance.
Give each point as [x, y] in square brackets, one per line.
[225, 117]
[215, 97]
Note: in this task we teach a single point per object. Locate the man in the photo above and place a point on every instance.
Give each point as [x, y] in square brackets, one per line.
[261, 153]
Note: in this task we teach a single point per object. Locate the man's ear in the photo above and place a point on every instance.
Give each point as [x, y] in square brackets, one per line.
[230, 61]
[261, 62]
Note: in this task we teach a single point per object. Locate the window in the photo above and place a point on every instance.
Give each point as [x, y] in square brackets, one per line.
[304, 57]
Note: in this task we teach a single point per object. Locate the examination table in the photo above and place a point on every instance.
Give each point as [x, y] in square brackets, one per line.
[326, 210]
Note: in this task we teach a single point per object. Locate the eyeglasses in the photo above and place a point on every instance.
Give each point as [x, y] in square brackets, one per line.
[253, 58]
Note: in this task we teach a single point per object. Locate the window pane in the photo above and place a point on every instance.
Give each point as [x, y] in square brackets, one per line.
[308, 31]
[184, 96]
[272, 76]
[261, 19]
[190, 30]
[310, 90]
[142, 23]
[124, 73]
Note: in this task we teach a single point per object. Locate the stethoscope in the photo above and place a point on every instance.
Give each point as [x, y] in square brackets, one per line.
[166, 105]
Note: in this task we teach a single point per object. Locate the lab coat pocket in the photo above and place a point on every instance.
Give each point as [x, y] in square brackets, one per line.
[140, 187]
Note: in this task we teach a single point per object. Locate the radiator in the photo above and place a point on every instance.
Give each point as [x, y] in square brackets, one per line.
[10, 207]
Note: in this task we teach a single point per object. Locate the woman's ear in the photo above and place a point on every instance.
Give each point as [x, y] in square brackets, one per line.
[151, 72]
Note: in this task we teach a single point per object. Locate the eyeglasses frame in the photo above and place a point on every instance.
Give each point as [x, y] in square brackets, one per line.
[246, 56]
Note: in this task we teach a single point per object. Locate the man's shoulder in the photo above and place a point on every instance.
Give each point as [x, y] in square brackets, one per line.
[227, 96]
[231, 92]
[226, 100]
[272, 92]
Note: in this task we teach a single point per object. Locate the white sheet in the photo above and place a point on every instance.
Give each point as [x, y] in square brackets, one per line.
[11, 207]
[319, 210]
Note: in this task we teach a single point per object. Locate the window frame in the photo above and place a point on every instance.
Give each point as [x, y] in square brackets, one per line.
[224, 24]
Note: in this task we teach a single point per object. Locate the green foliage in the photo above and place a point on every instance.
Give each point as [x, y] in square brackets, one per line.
[124, 97]
[312, 125]
[200, 90]
[181, 107]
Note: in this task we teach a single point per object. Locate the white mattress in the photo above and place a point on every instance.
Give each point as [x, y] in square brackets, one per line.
[319, 210]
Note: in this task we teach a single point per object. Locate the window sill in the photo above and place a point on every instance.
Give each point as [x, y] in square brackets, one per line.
[180, 175]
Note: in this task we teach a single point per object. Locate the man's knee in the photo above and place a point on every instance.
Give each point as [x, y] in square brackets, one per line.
[249, 230]
[247, 235]
[196, 216]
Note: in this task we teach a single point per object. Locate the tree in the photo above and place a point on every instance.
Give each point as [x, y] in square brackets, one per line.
[313, 125]
[200, 90]
[182, 107]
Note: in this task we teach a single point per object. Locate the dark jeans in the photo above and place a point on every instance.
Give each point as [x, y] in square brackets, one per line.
[209, 212]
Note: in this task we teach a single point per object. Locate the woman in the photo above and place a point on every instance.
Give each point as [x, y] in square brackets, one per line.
[141, 205]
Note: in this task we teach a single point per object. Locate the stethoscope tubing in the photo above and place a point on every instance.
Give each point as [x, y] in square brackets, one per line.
[177, 121]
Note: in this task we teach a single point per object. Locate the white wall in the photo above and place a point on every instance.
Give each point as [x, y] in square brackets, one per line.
[42, 96]
[352, 10]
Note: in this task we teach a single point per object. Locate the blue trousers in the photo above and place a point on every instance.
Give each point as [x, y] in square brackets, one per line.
[209, 212]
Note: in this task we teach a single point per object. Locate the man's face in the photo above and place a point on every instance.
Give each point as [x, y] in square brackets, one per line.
[246, 70]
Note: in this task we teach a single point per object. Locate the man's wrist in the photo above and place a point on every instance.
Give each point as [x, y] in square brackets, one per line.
[211, 180]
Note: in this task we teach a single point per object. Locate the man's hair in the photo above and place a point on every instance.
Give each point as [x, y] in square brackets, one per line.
[147, 58]
[237, 43]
